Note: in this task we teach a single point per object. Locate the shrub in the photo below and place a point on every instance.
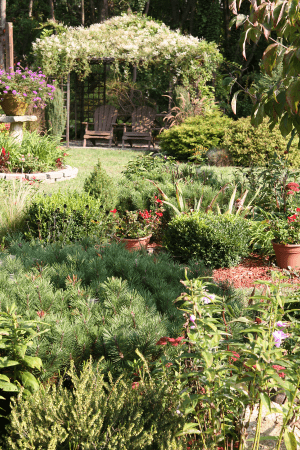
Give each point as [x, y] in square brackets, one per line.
[200, 131]
[101, 186]
[98, 414]
[66, 216]
[249, 146]
[220, 241]
[56, 114]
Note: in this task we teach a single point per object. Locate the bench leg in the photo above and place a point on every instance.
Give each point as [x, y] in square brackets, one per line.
[122, 143]
[84, 142]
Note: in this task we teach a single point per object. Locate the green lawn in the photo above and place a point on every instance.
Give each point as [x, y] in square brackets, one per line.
[112, 160]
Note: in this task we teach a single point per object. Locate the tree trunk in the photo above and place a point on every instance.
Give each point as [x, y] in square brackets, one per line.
[226, 14]
[51, 4]
[147, 8]
[92, 6]
[30, 7]
[82, 12]
[103, 10]
[2, 36]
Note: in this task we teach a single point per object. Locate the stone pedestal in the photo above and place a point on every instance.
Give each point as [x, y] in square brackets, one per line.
[16, 125]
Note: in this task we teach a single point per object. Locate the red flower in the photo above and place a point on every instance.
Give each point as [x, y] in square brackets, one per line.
[293, 187]
[292, 218]
[135, 385]
[41, 314]
[257, 320]
[159, 214]
[113, 211]
[278, 369]
[157, 200]
[3, 151]
[162, 341]
[236, 356]
[169, 364]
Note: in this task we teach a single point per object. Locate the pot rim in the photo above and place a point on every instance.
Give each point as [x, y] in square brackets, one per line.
[136, 239]
[285, 245]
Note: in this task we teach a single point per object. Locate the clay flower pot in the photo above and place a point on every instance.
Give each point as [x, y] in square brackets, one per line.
[136, 244]
[287, 255]
[13, 105]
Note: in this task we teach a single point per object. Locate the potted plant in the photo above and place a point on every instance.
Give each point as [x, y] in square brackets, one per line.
[23, 87]
[286, 242]
[135, 228]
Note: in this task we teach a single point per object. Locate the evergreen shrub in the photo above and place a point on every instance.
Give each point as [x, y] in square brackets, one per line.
[207, 131]
[98, 414]
[56, 114]
[101, 186]
[249, 146]
[65, 216]
[219, 241]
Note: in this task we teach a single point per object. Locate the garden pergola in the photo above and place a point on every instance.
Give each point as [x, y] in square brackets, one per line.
[123, 42]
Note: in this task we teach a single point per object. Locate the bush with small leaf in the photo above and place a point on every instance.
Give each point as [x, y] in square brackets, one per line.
[207, 131]
[66, 216]
[249, 146]
[98, 414]
[101, 186]
[220, 241]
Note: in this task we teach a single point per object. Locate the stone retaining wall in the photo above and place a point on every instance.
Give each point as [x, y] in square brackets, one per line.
[47, 177]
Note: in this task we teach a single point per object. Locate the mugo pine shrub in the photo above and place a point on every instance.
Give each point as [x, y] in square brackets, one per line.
[206, 131]
[65, 217]
[101, 186]
[220, 241]
[98, 414]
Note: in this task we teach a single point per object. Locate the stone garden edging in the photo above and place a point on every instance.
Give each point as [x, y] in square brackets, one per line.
[47, 177]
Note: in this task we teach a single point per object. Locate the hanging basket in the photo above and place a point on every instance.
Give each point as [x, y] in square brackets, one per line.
[287, 255]
[13, 105]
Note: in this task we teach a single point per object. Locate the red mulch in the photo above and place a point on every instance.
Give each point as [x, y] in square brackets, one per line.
[253, 268]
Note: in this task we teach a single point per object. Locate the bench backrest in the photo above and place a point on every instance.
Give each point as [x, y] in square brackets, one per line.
[142, 119]
[104, 117]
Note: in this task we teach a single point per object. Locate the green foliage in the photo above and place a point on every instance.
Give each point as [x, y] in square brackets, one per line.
[16, 335]
[220, 241]
[249, 146]
[208, 131]
[36, 153]
[257, 350]
[98, 414]
[79, 295]
[56, 114]
[281, 101]
[100, 185]
[66, 216]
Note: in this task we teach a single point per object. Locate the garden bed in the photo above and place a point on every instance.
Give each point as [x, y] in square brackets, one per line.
[48, 177]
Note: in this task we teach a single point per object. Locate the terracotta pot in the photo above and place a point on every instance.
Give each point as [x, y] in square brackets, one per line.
[287, 255]
[136, 244]
[13, 105]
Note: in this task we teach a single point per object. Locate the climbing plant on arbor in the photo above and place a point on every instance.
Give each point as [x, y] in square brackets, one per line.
[128, 40]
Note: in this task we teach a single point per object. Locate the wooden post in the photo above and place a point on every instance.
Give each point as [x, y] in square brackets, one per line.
[9, 46]
[2, 36]
[68, 112]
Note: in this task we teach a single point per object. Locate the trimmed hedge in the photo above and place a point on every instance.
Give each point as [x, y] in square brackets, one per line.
[220, 241]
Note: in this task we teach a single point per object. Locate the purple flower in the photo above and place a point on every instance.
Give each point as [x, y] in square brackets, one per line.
[7, 87]
[14, 92]
[24, 93]
[279, 336]
[18, 63]
[24, 76]
[5, 92]
[36, 99]
[193, 327]
[192, 318]
[9, 78]
[281, 324]
[34, 92]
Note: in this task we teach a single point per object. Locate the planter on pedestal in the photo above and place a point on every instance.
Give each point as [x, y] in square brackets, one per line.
[136, 244]
[13, 105]
[287, 255]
